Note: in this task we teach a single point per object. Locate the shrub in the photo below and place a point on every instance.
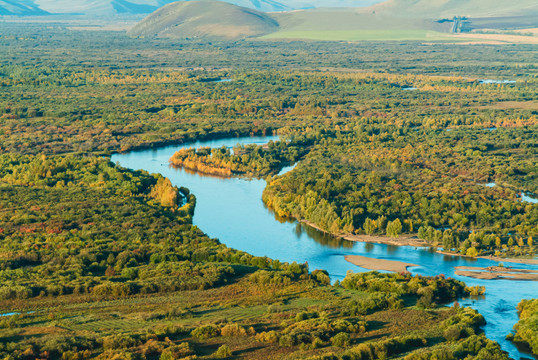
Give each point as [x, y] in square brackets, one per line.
[455, 332]
[264, 277]
[115, 342]
[527, 327]
[205, 331]
[223, 352]
[476, 290]
[233, 330]
[341, 339]
[321, 276]
[15, 292]
[177, 351]
[268, 337]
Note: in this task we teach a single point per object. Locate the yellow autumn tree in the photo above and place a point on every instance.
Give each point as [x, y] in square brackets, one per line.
[165, 193]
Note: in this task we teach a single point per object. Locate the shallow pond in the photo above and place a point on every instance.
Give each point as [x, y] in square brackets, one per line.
[231, 209]
[528, 198]
[493, 81]
[9, 314]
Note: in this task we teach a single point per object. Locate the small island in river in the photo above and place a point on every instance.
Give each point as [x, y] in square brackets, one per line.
[379, 264]
[497, 273]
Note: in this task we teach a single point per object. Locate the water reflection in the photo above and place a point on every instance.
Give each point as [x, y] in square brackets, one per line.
[449, 258]
[200, 174]
[368, 247]
[322, 238]
[392, 249]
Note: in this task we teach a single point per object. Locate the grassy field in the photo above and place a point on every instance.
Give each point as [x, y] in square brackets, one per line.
[147, 325]
[361, 35]
[436, 9]
[402, 35]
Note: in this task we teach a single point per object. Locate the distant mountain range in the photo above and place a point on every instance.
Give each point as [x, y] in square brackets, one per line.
[20, 7]
[120, 7]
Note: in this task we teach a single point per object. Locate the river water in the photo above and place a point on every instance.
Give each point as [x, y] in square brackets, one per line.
[231, 209]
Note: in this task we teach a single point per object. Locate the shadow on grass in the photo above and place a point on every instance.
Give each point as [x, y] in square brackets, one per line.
[374, 325]
[361, 340]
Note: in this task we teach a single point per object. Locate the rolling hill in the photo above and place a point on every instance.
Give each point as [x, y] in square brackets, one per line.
[205, 18]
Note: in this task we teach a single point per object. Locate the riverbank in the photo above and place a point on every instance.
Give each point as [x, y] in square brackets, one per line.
[191, 138]
[378, 264]
[496, 273]
[413, 240]
[404, 240]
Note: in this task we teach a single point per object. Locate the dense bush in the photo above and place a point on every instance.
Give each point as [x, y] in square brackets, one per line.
[438, 288]
[526, 330]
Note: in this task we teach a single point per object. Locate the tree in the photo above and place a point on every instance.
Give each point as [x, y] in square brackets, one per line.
[394, 228]
[448, 240]
[369, 226]
[472, 252]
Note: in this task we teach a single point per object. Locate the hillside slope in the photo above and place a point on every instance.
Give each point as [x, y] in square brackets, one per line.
[104, 8]
[205, 18]
[262, 5]
[96, 7]
[20, 8]
[435, 9]
[429, 20]
[347, 19]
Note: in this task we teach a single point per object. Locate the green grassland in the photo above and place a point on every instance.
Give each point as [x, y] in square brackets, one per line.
[402, 20]
[439, 9]
[360, 35]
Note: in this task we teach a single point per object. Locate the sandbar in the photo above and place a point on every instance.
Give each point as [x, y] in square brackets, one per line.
[497, 273]
[378, 264]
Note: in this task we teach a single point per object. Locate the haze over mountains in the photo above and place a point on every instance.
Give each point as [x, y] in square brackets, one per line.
[122, 7]
[20, 7]
[348, 20]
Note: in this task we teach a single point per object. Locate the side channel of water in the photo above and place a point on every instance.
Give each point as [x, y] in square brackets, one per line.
[232, 211]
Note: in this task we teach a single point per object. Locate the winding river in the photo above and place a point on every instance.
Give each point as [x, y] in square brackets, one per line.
[232, 210]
